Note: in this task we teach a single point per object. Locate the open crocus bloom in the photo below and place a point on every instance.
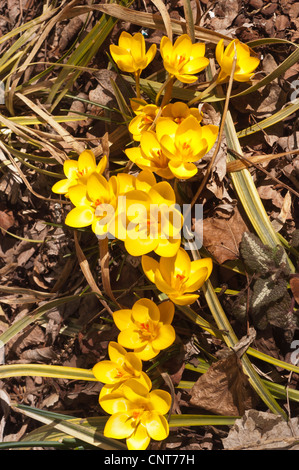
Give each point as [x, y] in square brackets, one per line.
[95, 204]
[245, 63]
[150, 221]
[149, 155]
[178, 277]
[121, 367]
[179, 111]
[146, 328]
[127, 182]
[137, 415]
[130, 55]
[78, 171]
[144, 119]
[183, 59]
[185, 143]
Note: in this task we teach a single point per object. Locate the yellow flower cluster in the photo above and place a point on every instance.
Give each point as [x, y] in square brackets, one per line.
[141, 211]
[137, 412]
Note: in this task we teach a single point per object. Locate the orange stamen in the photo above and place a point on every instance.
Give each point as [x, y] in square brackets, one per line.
[181, 277]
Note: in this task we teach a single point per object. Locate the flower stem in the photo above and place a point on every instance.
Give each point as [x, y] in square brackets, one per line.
[137, 82]
[168, 86]
[199, 97]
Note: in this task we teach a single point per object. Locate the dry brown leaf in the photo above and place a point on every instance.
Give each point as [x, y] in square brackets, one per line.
[7, 220]
[221, 237]
[258, 430]
[224, 389]
[294, 285]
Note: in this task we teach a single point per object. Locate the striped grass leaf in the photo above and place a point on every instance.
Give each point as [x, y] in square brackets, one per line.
[270, 121]
[248, 195]
[45, 370]
[73, 427]
[22, 323]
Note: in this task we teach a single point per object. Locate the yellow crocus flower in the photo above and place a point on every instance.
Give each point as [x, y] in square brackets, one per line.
[78, 171]
[245, 62]
[95, 204]
[179, 111]
[183, 59]
[149, 155]
[137, 415]
[146, 328]
[122, 366]
[185, 143]
[130, 55]
[178, 277]
[144, 119]
[152, 221]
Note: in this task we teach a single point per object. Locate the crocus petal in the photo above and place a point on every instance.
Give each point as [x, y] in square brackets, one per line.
[123, 319]
[167, 247]
[145, 180]
[160, 401]
[77, 194]
[165, 337]
[180, 266]
[61, 187]
[138, 48]
[149, 266]
[145, 309]
[114, 402]
[87, 161]
[182, 170]
[204, 264]
[165, 126]
[163, 285]
[146, 352]
[157, 426]
[139, 440]
[98, 188]
[106, 372]
[151, 53]
[79, 217]
[131, 339]
[70, 168]
[195, 66]
[102, 165]
[139, 246]
[162, 193]
[196, 284]
[125, 40]
[116, 352]
[186, 299]
[166, 312]
[119, 426]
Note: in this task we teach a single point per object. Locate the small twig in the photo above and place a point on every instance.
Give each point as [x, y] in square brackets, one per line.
[258, 167]
[205, 179]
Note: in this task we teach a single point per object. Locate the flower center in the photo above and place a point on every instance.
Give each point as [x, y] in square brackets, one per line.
[178, 281]
[82, 172]
[147, 330]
